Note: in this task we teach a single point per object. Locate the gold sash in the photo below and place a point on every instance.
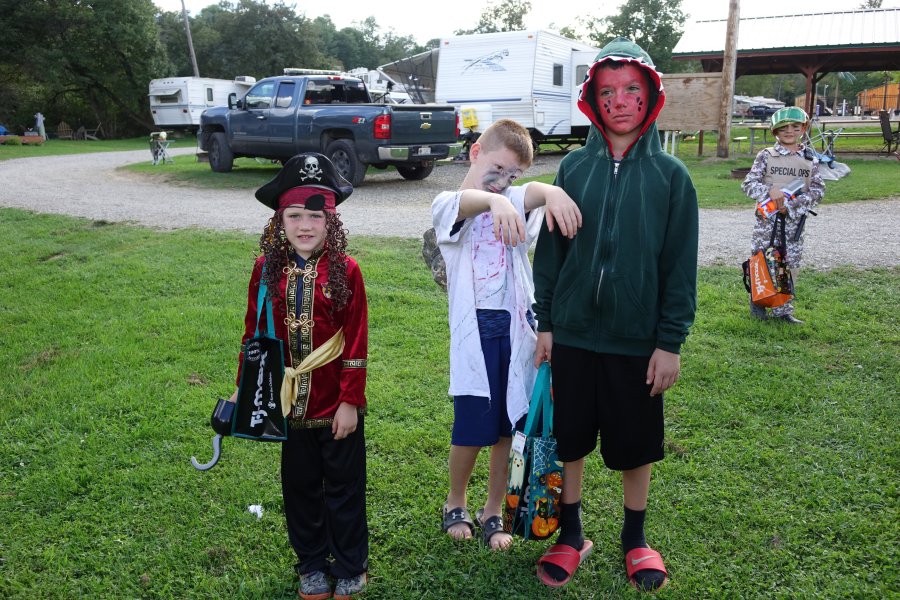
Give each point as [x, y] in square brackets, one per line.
[322, 355]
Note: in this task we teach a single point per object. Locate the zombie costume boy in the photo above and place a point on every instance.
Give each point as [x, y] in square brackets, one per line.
[320, 312]
[484, 230]
[614, 305]
[773, 169]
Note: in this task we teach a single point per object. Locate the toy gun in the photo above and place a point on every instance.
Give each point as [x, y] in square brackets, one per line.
[768, 207]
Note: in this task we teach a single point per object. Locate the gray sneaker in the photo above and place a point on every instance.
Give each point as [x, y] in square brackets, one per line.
[314, 586]
[758, 312]
[347, 588]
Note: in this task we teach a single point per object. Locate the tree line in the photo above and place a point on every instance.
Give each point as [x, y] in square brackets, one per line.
[89, 62]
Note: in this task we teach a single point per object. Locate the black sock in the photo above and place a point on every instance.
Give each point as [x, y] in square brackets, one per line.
[570, 534]
[633, 537]
[633, 530]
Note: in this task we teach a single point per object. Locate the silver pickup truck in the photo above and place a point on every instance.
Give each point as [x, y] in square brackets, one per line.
[333, 114]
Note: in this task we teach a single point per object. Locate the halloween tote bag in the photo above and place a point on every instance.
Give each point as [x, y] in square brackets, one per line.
[535, 480]
[258, 413]
[766, 275]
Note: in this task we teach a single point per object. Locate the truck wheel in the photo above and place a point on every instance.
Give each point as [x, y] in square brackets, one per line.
[416, 172]
[221, 158]
[342, 154]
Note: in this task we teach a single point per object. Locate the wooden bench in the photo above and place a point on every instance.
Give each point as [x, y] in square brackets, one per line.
[737, 141]
[93, 133]
[64, 131]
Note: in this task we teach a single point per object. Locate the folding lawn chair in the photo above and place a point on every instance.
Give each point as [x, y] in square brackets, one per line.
[159, 148]
[891, 138]
[824, 138]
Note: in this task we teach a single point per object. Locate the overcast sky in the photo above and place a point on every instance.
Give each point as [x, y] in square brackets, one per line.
[426, 20]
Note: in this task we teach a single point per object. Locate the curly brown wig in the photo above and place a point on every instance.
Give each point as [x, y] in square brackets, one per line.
[336, 246]
[274, 245]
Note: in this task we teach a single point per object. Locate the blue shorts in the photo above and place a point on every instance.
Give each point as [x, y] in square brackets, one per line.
[479, 421]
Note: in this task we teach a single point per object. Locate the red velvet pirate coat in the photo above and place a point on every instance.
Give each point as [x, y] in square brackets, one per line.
[304, 296]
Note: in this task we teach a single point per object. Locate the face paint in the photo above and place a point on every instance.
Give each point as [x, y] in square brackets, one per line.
[494, 170]
[496, 178]
[623, 94]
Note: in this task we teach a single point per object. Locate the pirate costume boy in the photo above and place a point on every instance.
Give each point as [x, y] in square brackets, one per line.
[320, 313]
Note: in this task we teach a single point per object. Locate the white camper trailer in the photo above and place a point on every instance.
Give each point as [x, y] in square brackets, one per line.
[532, 77]
[176, 102]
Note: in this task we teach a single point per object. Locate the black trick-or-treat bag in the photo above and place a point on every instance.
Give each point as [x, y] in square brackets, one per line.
[258, 413]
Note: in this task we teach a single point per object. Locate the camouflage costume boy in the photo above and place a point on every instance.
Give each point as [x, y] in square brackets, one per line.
[775, 167]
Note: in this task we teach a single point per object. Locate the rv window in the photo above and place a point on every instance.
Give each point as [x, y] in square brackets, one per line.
[285, 94]
[260, 96]
[168, 99]
[209, 95]
[580, 73]
[557, 75]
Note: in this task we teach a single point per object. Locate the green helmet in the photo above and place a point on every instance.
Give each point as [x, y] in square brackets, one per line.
[788, 114]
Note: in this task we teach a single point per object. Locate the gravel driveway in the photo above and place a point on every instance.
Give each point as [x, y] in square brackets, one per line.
[863, 234]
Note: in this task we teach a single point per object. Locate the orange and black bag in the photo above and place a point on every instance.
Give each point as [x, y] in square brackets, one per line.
[766, 274]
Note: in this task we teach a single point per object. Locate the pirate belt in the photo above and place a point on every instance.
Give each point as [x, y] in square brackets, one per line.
[322, 355]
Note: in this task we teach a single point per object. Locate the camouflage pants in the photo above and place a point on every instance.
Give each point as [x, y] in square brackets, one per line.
[762, 238]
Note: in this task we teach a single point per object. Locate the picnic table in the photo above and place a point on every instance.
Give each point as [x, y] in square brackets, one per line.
[753, 131]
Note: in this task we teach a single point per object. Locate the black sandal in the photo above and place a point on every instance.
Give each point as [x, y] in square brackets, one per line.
[451, 517]
[489, 528]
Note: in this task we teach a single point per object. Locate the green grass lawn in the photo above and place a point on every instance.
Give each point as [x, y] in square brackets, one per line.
[781, 476]
[54, 147]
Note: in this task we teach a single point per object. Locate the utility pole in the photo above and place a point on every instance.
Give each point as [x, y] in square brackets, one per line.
[187, 29]
[729, 67]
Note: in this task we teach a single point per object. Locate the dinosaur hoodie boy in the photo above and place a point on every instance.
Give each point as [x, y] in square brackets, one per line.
[614, 304]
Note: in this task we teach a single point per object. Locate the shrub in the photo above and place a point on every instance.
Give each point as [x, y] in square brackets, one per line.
[12, 140]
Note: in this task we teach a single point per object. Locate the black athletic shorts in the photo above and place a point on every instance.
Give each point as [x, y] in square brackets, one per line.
[605, 394]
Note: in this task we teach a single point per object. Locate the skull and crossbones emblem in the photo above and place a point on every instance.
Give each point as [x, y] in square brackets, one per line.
[310, 169]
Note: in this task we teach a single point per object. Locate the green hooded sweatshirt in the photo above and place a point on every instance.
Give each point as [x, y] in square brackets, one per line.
[627, 283]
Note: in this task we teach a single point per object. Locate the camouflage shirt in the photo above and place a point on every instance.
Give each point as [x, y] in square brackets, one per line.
[756, 186]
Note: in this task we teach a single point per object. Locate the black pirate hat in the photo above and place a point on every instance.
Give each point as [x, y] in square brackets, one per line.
[312, 171]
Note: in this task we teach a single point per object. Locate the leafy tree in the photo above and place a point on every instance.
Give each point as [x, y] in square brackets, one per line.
[656, 25]
[84, 62]
[569, 32]
[363, 44]
[508, 15]
[89, 61]
[349, 48]
[249, 37]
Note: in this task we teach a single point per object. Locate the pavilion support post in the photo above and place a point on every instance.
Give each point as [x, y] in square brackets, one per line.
[729, 66]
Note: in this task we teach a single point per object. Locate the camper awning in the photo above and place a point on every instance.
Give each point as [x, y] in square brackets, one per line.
[165, 92]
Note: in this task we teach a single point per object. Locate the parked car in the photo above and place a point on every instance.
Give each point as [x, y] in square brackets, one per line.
[762, 111]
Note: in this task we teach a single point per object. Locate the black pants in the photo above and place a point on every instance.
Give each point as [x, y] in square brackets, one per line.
[323, 483]
[605, 394]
